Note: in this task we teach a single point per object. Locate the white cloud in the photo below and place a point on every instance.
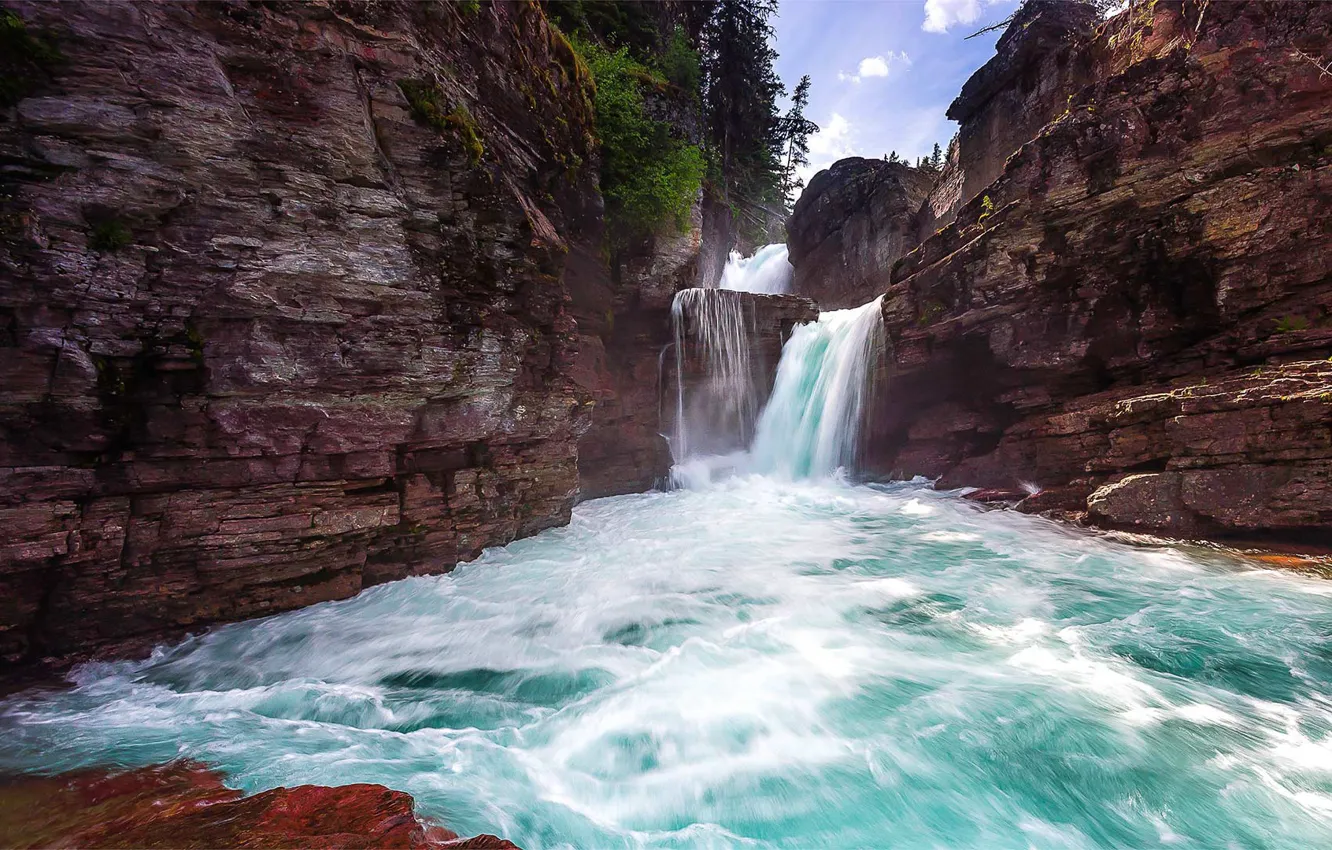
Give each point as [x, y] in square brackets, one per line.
[876, 66]
[942, 14]
[831, 143]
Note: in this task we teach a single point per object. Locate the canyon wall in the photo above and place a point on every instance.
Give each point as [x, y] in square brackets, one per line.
[284, 307]
[1136, 315]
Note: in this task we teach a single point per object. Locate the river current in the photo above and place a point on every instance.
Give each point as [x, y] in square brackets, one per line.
[768, 663]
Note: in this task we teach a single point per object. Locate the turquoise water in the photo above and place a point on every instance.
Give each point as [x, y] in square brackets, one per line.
[769, 664]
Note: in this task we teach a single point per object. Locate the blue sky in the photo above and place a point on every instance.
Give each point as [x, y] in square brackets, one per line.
[884, 71]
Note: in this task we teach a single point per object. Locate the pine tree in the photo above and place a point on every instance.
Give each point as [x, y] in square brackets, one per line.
[797, 129]
[893, 157]
[740, 93]
[936, 157]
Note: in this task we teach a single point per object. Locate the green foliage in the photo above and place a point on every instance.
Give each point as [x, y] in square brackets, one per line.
[429, 108]
[987, 209]
[680, 63]
[1287, 324]
[631, 25]
[109, 235]
[648, 178]
[25, 59]
[930, 311]
[796, 129]
[469, 7]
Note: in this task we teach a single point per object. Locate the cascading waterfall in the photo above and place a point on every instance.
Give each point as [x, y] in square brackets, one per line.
[768, 272]
[812, 422]
[716, 412]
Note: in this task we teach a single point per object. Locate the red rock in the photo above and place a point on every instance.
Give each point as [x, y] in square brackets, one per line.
[993, 494]
[184, 805]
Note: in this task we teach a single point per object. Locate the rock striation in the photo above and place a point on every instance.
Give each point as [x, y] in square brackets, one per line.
[186, 805]
[1135, 316]
[284, 309]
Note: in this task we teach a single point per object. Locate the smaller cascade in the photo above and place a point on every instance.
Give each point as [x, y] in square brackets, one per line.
[812, 422]
[716, 403]
[768, 272]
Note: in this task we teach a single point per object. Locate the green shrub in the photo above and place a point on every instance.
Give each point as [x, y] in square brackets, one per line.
[109, 235]
[987, 209]
[1287, 324]
[679, 63]
[648, 178]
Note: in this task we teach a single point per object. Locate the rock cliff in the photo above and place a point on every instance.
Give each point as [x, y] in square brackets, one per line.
[1135, 314]
[284, 307]
[850, 224]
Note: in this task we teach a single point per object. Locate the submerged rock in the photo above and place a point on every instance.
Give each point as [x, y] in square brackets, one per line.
[185, 805]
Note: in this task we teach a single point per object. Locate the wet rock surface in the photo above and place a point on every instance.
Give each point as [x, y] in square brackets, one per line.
[1134, 316]
[284, 311]
[184, 805]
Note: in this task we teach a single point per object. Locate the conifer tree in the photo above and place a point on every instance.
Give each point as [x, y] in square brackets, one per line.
[936, 157]
[740, 93]
[797, 129]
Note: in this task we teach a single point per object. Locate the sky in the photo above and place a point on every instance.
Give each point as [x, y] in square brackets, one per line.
[884, 71]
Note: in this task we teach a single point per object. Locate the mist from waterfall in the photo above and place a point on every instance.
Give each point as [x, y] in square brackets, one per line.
[715, 412]
[768, 272]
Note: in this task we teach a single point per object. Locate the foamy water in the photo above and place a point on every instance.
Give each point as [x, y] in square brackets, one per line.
[767, 272]
[770, 664]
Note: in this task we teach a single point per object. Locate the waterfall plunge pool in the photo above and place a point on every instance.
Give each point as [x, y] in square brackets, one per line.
[766, 663]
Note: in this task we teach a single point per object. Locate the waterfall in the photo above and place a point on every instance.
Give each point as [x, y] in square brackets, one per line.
[767, 272]
[811, 424]
[716, 402]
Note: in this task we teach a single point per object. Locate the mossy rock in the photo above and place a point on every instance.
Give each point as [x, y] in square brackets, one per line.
[430, 108]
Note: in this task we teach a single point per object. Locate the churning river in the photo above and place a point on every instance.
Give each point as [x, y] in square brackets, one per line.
[769, 663]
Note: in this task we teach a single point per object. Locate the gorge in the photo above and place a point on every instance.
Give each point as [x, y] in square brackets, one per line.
[344, 445]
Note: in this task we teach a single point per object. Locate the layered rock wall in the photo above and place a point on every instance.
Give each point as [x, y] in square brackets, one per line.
[283, 306]
[1042, 59]
[1136, 315]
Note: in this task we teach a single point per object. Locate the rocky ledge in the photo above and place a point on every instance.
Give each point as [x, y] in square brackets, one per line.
[185, 805]
[1135, 317]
